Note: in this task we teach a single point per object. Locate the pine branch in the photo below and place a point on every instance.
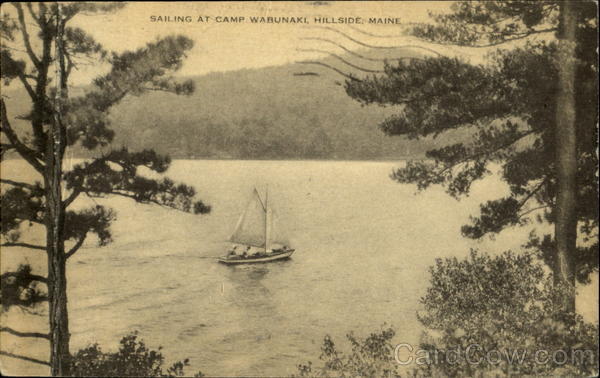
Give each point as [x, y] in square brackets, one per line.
[385, 90]
[491, 44]
[531, 193]
[4, 147]
[69, 200]
[99, 179]
[76, 247]
[18, 184]
[25, 358]
[40, 105]
[500, 147]
[14, 49]
[38, 221]
[496, 215]
[28, 154]
[24, 245]
[522, 36]
[532, 210]
[440, 172]
[527, 198]
[474, 156]
[33, 277]
[70, 65]
[129, 195]
[27, 86]
[25, 34]
[78, 224]
[32, 12]
[25, 334]
[479, 25]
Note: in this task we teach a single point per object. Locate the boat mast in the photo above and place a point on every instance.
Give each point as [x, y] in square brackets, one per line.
[267, 218]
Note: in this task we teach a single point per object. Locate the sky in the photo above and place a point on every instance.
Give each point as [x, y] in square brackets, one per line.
[226, 46]
[221, 46]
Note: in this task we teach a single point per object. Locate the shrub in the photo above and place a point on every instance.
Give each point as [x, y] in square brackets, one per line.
[133, 359]
[502, 307]
[369, 357]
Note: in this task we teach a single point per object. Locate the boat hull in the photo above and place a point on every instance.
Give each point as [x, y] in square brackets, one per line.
[256, 260]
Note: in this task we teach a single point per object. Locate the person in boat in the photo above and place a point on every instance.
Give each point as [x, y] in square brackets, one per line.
[232, 252]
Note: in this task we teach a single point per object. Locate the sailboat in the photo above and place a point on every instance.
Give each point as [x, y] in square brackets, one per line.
[256, 229]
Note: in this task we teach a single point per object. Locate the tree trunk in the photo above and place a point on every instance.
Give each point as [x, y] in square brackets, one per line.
[55, 221]
[566, 160]
[57, 275]
[57, 295]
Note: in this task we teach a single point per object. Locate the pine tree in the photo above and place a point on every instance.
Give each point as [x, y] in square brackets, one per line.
[530, 108]
[59, 122]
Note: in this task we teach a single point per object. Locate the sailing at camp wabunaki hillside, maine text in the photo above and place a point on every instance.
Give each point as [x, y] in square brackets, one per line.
[274, 20]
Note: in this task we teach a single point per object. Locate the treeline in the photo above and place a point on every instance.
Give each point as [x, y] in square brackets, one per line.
[262, 113]
[259, 114]
[260, 138]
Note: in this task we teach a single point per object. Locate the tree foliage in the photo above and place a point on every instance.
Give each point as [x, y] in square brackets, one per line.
[133, 359]
[39, 52]
[86, 122]
[21, 288]
[372, 356]
[508, 107]
[505, 304]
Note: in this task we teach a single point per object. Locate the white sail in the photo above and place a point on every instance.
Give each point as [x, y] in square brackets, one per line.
[257, 225]
[250, 229]
[276, 235]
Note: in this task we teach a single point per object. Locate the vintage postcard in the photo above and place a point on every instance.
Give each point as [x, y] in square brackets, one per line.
[299, 188]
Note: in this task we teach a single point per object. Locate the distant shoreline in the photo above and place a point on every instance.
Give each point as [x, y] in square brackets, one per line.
[383, 160]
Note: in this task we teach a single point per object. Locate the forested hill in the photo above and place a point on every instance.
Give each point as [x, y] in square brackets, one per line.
[270, 113]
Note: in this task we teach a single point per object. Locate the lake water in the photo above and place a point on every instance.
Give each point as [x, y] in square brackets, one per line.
[363, 245]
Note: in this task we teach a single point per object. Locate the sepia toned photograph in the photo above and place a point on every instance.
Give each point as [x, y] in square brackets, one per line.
[299, 189]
